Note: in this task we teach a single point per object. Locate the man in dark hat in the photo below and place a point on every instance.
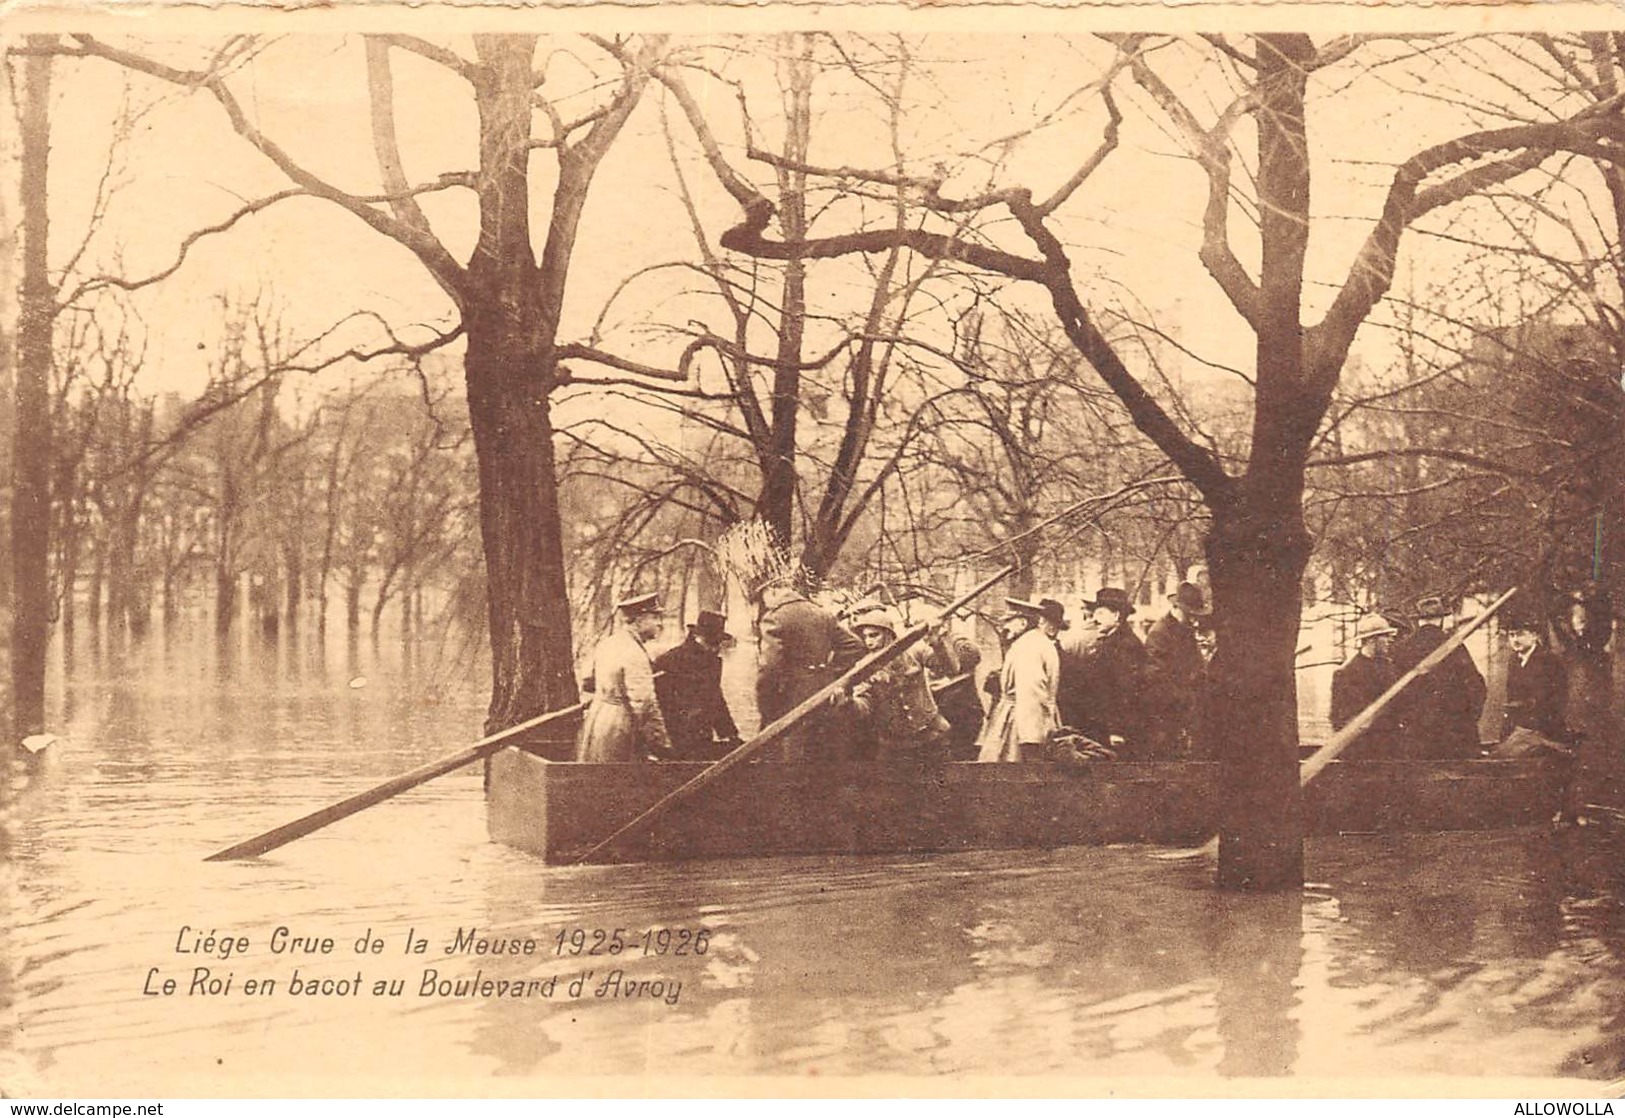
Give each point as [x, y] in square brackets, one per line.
[1437, 715]
[1537, 684]
[1112, 707]
[1174, 676]
[624, 722]
[689, 683]
[802, 649]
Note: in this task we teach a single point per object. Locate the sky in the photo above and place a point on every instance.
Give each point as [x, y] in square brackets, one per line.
[1134, 228]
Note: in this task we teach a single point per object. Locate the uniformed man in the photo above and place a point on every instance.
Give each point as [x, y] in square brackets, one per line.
[801, 650]
[1437, 714]
[624, 722]
[896, 701]
[689, 682]
[1362, 680]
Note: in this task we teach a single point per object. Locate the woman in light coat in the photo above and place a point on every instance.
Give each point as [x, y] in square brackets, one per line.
[624, 722]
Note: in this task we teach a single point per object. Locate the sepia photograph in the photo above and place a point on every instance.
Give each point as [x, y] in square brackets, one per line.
[694, 552]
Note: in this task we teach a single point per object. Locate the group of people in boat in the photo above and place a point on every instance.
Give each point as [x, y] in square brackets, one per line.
[1059, 694]
[1436, 717]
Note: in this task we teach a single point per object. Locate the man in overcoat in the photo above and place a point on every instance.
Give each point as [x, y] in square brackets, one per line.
[897, 702]
[1174, 676]
[1537, 684]
[1361, 680]
[802, 648]
[1438, 712]
[688, 680]
[1113, 707]
[1019, 727]
[624, 722]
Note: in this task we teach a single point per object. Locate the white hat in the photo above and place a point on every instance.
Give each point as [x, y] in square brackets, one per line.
[1372, 625]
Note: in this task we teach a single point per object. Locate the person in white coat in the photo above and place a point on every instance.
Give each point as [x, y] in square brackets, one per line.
[624, 722]
[1025, 712]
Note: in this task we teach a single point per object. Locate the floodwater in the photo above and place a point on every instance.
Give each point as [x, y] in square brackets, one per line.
[1458, 958]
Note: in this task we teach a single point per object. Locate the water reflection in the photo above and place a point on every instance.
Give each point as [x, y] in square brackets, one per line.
[1456, 955]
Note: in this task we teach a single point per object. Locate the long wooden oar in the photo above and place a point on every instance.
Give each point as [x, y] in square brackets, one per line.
[1361, 722]
[316, 820]
[776, 729]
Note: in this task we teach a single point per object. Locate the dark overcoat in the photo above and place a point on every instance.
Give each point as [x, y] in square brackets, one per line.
[1112, 692]
[1438, 713]
[1355, 686]
[689, 682]
[1174, 679]
[802, 649]
[1537, 695]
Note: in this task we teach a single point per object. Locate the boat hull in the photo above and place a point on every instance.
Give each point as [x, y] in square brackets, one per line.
[559, 811]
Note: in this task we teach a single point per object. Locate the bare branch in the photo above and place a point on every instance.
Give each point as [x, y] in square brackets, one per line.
[450, 59]
[433, 255]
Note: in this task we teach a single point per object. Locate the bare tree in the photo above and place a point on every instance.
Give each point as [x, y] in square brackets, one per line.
[1258, 546]
[507, 301]
[31, 489]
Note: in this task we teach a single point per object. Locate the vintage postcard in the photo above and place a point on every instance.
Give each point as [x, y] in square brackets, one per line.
[950, 550]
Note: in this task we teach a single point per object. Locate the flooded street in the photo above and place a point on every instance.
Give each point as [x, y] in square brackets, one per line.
[1463, 956]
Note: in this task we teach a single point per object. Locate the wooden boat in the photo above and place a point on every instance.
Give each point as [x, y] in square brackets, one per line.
[559, 811]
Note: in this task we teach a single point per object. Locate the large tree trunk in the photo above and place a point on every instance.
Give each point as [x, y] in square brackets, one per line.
[1258, 546]
[1257, 552]
[527, 600]
[31, 499]
[776, 504]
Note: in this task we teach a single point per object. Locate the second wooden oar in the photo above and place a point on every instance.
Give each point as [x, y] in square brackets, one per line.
[776, 729]
[1361, 722]
[316, 820]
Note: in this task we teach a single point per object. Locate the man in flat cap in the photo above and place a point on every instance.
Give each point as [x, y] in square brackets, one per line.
[1438, 713]
[688, 680]
[624, 722]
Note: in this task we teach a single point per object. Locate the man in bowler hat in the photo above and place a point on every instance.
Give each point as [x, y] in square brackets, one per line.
[1437, 713]
[689, 683]
[1112, 706]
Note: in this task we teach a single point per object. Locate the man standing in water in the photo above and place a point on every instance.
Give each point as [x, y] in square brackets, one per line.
[624, 722]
